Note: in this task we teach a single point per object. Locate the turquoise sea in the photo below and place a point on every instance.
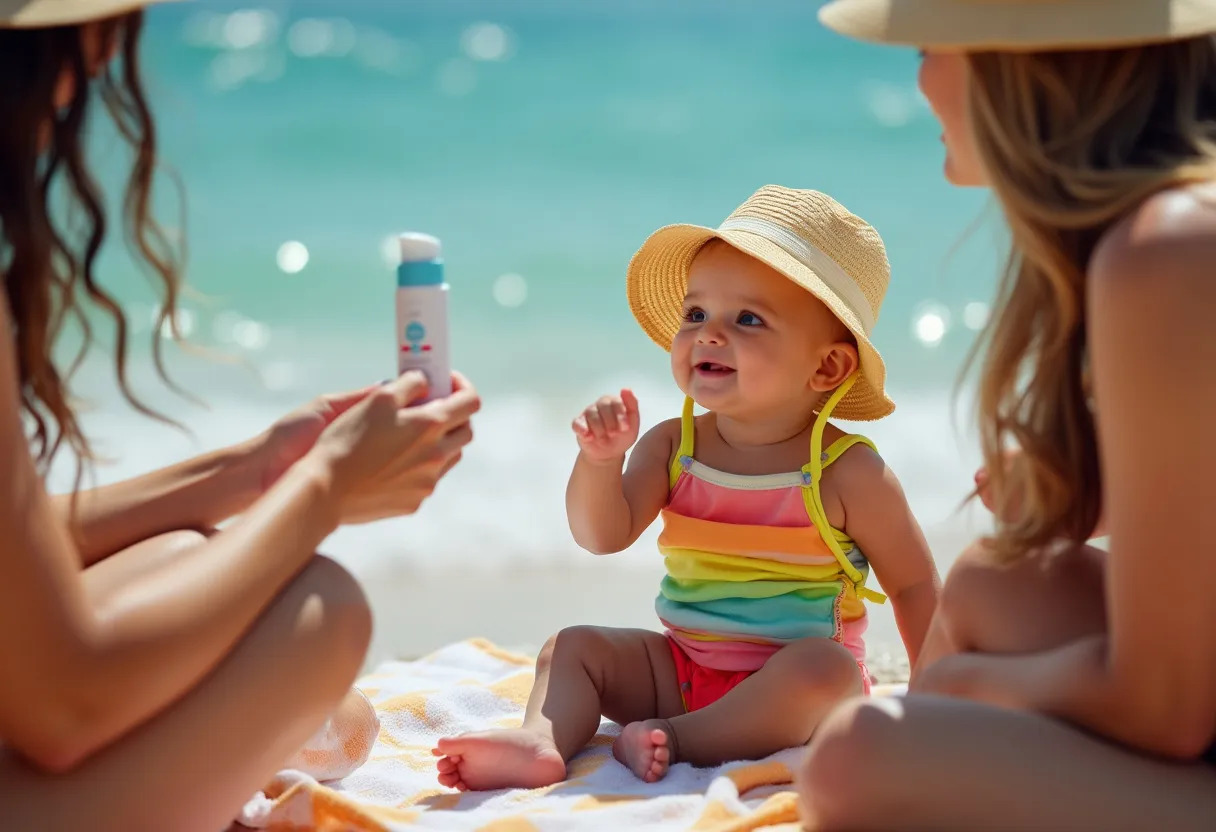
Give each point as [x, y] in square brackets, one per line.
[542, 140]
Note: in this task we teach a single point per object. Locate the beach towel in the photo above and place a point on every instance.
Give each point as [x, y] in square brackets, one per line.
[475, 685]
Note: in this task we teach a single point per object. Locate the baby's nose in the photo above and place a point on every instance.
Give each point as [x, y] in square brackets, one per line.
[711, 334]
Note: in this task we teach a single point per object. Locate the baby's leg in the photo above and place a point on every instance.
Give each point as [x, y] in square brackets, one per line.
[777, 707]
[582, 672]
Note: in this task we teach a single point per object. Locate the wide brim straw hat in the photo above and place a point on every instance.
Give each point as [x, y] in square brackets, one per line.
[809, 238]
[44, 14]
[1020, 25]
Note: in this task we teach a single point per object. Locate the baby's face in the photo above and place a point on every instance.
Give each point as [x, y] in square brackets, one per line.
[751, 340]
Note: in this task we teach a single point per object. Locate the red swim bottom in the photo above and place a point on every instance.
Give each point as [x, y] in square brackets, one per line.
[701, 686]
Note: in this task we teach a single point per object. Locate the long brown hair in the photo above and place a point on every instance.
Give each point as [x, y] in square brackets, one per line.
[48, 256]
[1071, 143]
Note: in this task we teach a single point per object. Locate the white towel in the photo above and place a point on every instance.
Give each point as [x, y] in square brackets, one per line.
[475, 686]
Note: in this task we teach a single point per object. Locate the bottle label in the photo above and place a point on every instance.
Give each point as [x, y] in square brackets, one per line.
[422, 336]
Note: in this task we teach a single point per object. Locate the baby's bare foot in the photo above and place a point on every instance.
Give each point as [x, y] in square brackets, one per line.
[646, 748]
[514, 758]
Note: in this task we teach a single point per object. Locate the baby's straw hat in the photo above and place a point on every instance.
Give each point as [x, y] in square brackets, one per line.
[40, 14]
[806, 236]
[1020, 25]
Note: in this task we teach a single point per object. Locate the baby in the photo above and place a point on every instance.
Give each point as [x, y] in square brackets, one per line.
[767, 508]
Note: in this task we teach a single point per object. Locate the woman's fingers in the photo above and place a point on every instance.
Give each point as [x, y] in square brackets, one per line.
[450, 464]
[452, 411]
[407, 388]
[333, 405]
[456, 439]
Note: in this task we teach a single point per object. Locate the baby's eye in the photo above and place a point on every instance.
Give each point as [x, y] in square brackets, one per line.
[694, 315]
[750, 319]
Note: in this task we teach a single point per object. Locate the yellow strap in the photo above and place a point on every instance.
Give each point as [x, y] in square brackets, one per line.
[836, 450]
[688, 436]
[814, 500]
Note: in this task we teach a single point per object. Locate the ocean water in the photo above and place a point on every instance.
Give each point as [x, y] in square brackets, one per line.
[542, 141]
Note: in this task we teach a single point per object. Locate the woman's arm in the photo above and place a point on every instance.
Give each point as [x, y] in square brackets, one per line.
[1150, 682]
[199, 493]
[75, 677]
[196, 494]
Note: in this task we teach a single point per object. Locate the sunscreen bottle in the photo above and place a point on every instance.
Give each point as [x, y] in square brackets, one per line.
[422, 313]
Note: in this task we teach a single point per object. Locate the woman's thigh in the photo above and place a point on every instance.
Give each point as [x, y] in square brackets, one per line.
[194, 765]
[930, 763]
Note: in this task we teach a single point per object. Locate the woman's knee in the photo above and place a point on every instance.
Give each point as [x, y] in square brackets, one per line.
[851, 750]
[330, 618]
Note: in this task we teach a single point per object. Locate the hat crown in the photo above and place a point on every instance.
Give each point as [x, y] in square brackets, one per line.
[827, 226]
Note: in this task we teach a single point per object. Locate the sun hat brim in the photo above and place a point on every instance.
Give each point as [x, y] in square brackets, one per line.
[657, 281]
[1020, 25]
[44, 14]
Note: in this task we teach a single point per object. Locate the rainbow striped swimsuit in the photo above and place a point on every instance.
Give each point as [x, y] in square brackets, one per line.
[753, 564]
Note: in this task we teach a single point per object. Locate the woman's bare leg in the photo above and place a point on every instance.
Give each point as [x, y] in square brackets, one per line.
[195, 764]
[946, 764]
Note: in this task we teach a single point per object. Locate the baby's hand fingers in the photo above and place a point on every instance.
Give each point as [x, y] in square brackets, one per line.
[595, 424]
[630, 402]
[580, 426]
[612, 412]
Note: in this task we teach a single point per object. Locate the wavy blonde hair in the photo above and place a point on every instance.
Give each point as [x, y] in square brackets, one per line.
[1071, 143]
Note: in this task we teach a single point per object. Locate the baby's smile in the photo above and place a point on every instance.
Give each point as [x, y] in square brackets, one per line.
[712, 369]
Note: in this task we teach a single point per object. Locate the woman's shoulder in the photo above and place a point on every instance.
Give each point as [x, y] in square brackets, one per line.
[1168, 238]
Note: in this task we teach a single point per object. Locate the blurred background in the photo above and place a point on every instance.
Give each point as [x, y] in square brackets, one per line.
[542, 140]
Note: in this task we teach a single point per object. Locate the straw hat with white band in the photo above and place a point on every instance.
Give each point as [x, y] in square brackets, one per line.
[1020, 25]
[44, 14]
[806, 236]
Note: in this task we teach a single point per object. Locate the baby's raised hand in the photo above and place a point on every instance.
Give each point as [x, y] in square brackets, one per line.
[607, 429]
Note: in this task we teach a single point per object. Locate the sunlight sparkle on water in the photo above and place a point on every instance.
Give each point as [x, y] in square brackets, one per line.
[486, 42]
[510, 290]
[250, 27]
[185, 323]
[251, 335]
[930, 323]
[975, 315]
[292, 257]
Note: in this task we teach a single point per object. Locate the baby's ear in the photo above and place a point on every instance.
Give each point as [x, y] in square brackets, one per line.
[836, 363]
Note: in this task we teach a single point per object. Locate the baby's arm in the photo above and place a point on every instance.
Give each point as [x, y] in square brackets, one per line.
[878, 518]
[609, 509]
